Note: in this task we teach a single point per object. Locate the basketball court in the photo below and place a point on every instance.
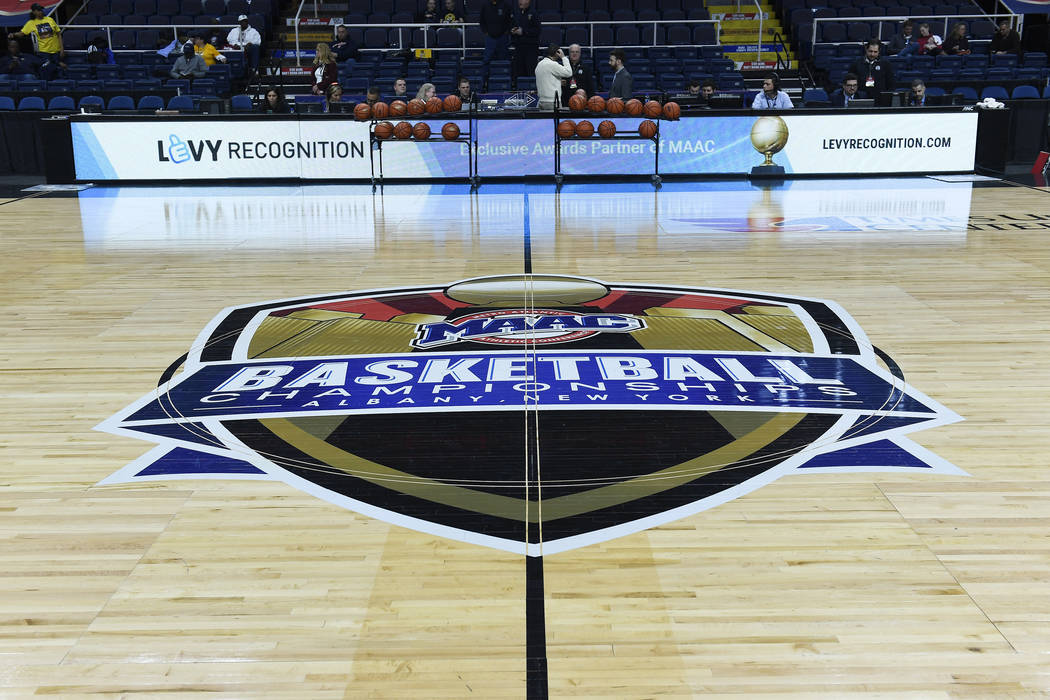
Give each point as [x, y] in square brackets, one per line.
[405, 552]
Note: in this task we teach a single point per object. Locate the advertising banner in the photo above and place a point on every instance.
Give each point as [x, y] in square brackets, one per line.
[810, 144]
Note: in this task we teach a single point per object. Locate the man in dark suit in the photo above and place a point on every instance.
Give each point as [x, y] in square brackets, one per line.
[874, 75]
[623, 83]
[581, 76]
[848, 93]
[525, 38]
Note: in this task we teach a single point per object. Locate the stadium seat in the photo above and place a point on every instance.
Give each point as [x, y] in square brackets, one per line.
[90, 100]
[120, 102]
[995, 91]
[6, 103]
[241, 103]
[1024, 92]
[31, 103]
[151, 102]
[968, 94]
[182, 103]
[61, 103]
[816, 98]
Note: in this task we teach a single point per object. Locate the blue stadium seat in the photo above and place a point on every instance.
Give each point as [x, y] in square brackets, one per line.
[241, 103]
[31, 103]
[89, 100]
[61, 85]
[182, 103]
[995, 91]
[62, 103]
[151, 102]
[120, 102]
[1007, 60]
[1024, 92]
[6, 103]
[816, 98]
[1035, 59]
[968, 94]
[1046, 93]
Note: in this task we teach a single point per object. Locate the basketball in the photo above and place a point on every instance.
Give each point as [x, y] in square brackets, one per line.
[450, 131]
[566, 129]
[421, 131]
[398, 108]
[672, 110]
[403, 130]
[362, 111]
[585, 129]
[452, 103]
[380, 110]
[434, 105]
[384, 130]
[614, 105]
[596, 103]
[577, 103]
[633, 107]
[606, 129]
[653, 109]
[416, 107]
[647, 129]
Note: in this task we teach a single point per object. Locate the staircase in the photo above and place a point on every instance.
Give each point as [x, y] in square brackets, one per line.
[740, 27]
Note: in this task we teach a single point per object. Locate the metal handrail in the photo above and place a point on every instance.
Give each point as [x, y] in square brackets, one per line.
[173, 27]
[298, 55]
[778, 39]
[896, 18]
[401, 27]
[758, 44]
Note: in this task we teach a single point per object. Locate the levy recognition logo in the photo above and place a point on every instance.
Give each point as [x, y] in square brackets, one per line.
[494, 409]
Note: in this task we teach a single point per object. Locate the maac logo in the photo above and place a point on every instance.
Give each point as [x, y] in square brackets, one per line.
[532, 413]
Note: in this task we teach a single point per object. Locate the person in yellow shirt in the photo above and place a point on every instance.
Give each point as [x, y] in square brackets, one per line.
[48, 39]
[206, 51]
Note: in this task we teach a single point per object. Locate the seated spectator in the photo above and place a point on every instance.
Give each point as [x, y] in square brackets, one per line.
[1006, 40]
[848, 93]
[98, 52]
[326, 71]
[449, 13]
[904, 42]
[929, 44]
[464, 92]
[874, 75]
[372, 96]
[48, 39]
[400, 89]
[426, 91]
[246, 38]
[957, 44]
[344, 49]
[430, 13]
[581, 82]
[206, 51]
[273, 103]
[189, 65]
[772, 97]
[696, 94]
[917, 96]
[334, 96]
[18, 63]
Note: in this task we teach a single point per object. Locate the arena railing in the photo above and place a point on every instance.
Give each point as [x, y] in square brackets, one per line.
[109, 28]
[405, 33]
[895, 18]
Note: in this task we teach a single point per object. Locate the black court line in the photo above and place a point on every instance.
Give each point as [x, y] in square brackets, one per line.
[528, 238]
[536, 684]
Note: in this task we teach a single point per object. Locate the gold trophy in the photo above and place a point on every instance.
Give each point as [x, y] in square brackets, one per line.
[769, 135]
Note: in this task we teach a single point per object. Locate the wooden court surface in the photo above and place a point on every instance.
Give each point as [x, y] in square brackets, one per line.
[853, 585]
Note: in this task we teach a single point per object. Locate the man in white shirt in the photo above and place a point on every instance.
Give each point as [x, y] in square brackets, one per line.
[549, 73]
[247, 39]
[772, 97]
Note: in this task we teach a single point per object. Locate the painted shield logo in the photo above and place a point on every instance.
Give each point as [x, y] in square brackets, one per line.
[531, 413]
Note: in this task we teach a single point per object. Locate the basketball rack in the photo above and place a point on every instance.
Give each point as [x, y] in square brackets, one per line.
[470, 137]
[559, 114]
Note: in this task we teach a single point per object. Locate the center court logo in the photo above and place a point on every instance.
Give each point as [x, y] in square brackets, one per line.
[495, 409]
